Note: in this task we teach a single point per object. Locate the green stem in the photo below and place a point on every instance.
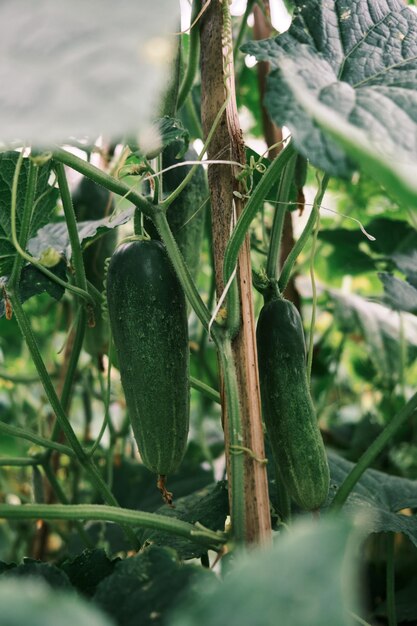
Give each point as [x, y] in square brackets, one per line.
[181, 269]
[205, 389]
[373, 452]
[302, 240]
[71, 370]
[15, 461]
[234, 428]
[284, 189]
[15, 431]
[316, 210]
[242, 28]
[60, 494]
[193, 57]
[253, 205]
[103, 179]
[194, 128]
[126, 517]
[391, 609]
[82, 457]
[76, 251]
[23, 380]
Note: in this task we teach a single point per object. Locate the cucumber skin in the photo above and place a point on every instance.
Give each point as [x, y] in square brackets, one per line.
[148, 317]
[93, 202]
[288, 410]
[185, 216]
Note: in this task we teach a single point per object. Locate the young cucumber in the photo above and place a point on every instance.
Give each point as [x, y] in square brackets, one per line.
[148, 317]
[288, 410]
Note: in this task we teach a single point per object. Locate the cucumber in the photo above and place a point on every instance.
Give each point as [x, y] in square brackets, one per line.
[186, 214]
[93, 202]
[148, 317]
[288, 409]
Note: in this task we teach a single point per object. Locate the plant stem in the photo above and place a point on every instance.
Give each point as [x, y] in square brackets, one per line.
[126, 517]
[103, 179]
[242, 28]
[193, 57]
[253, 205]
[14, 461]
[15, 431]
[287, 177]
[302, 240]
[373, 452]
[316, 210]
[235, 438]
[82, 457]
[181, 269]
[205, 389]
[391, 609]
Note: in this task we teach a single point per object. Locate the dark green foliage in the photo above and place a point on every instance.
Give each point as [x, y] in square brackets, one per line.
[288, 409]
[88, 569]
[148, 318]
[142, 589]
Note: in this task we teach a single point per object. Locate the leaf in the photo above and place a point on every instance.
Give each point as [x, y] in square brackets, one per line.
[306, 577]
[32, 602]
[357, 60]
[45, 202]
[380, 327]
[88, 569]
[55, 235]
[143, 588]
[400, 295]
[209, 506]
[379, 496]
[46, 572]
[407, 263]
[33, 282]
[85, 68]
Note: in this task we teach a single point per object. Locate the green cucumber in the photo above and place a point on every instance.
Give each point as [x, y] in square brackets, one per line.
[288, 409]
[186, 214]
[148, 317]
[93, 202]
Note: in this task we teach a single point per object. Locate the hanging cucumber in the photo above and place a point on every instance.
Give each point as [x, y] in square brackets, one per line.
[288, 409]
[186, 214]
[93, 202]
[148, 317]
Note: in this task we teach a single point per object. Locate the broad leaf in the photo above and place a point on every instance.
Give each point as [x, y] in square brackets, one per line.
[357, 59]
[380, 328]
[33, 282]
[209, 507]
[75, 68]
[381, 497]
[32, 602]
[143, 588]
[55, 235]
[400, 295]
[305, 578]
[45, 572]
[88, 569]
[45, 202]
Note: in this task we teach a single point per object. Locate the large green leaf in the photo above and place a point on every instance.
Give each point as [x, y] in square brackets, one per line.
[142, 589]
[45, 201]
[380, 328]
[358, 59]
[32, 602]
[305, 578]
[379, 496]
